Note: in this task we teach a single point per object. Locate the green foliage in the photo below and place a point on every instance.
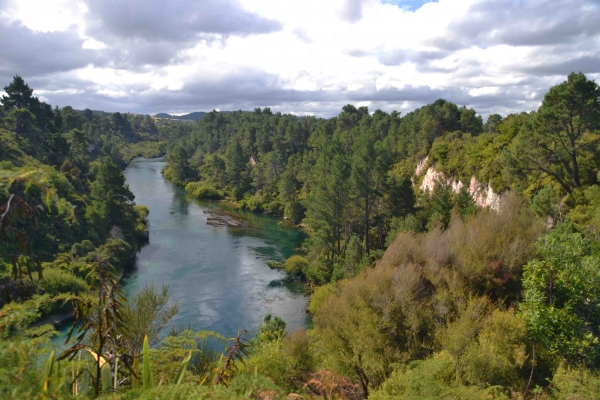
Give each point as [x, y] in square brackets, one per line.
[272, 329]
[148, 382]
[319, 297]
[487, 346]
[353, 261]
[57, 281]
[295, 265]
[24, 353]
[561, 299]
[410, 223]
[147, 313]
[432, 378]
[573, 383]
[288, 362]
[205, 348]
[560, 140]
[201, 190]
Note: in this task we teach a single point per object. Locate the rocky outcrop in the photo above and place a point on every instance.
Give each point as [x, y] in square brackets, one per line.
[483, 194]
[223, 218]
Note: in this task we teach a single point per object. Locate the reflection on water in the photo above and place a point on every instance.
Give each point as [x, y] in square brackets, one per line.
[218, 275]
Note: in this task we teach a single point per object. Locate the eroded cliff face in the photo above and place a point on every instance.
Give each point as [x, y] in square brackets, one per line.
[483, 194]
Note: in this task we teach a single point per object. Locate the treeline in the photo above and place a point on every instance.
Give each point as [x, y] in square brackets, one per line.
[77, 157]
[351, 179]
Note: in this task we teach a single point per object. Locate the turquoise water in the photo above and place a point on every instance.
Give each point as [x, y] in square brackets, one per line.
[218, 275]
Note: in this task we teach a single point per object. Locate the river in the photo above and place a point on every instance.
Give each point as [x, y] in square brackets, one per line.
[218, 275]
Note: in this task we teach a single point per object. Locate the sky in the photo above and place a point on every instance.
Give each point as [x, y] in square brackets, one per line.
[302, 57]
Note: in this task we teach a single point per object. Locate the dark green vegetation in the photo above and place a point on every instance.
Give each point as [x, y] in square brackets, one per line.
[416, 295]
[48, 246]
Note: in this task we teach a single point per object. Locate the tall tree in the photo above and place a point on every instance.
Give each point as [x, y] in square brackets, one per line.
[328, 198]
[564, 127]
[235, 164]
[19, 95]
[369, 172]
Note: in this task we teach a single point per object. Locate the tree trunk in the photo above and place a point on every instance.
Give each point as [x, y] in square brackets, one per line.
[367, 248]
[575, 171]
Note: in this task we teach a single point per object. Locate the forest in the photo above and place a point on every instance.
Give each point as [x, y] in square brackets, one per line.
[421, 287]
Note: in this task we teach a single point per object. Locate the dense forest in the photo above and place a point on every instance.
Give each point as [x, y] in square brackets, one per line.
[415, 293]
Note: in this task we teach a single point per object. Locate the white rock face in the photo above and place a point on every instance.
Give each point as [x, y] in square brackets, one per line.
[420, 165]
[483, 195]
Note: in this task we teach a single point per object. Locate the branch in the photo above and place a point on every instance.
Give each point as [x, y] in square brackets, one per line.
[8, 204]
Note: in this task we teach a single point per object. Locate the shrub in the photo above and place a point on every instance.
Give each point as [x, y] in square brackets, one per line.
[432, 378]
[288, 362]
[57, 281]
[295, 265]
[319, 297]
[574, 383]
[253, 203]
[203, 191]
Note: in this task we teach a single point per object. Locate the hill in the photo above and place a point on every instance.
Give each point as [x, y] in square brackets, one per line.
[194, 116]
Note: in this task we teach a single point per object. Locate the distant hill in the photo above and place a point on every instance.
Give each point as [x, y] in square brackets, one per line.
[195, 116]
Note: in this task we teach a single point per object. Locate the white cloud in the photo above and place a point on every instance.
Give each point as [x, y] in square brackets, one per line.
[46, 15]
[112, 93]
[313, 56]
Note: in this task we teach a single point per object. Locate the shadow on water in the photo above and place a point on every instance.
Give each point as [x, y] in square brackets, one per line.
[180, 202]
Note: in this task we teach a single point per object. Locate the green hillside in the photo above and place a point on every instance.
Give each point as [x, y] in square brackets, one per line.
[414, 294]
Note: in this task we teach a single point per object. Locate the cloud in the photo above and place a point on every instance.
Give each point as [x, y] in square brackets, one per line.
[521, 23]
[310, 56]
[28, 53]
[247, 89]
[400, 56]
[173, 21]
[352, 10]
[153, 32]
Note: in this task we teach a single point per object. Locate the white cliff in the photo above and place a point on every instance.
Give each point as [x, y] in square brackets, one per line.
[483, 194]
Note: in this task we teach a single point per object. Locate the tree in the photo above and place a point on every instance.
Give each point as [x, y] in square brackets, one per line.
[22, 121]
[560, 131]
[179, 165]
[272, 329]
[19, 95]
[112, 200]
[327, 201]
[568, 112]
[236, 164]
[369, 170]
[470, 122]
[491, 125]
[561, 297]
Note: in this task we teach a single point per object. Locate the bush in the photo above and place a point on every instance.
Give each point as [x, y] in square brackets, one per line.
[574, 384]
[295, 265]
[487, 346]
[431, 379]
[57, 281]
[201, 190]
[486, 251]
[319, 297]
[253, 203]
[288, 362]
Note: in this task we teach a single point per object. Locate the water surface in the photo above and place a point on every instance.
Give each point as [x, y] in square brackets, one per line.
[219, 275]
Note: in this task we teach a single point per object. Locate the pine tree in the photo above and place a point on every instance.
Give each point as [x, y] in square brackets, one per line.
[19, 95]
